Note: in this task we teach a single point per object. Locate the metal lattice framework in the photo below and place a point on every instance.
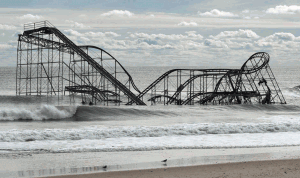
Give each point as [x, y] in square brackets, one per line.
[48, 63]
[254, 82]
[51, 64]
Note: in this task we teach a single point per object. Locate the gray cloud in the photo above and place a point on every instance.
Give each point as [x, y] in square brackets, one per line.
[7, 27]
[77, 24]
[6, 46]
[284, 9]
[236, 34]
[217, 13]
[167, 37]
[30, 17]
[75, 33]
[120, 13]
[194, 24]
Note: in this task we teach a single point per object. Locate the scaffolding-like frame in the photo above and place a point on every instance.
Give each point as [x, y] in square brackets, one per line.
[50, 64]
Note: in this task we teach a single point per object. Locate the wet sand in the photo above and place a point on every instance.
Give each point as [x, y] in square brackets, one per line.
[264, 169]
[233, 162]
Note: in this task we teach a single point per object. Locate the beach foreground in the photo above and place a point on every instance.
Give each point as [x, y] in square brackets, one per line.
[274, 168]
[231, 162]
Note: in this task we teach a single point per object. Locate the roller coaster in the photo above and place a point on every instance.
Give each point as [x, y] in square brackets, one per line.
[49, 63]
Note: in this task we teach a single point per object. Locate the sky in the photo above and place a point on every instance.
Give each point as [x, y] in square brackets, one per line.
[198, 33]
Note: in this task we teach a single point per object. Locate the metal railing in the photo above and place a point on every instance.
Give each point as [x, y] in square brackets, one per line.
[36, 25]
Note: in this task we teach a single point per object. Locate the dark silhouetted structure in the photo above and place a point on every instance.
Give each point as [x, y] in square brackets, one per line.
[49, 63]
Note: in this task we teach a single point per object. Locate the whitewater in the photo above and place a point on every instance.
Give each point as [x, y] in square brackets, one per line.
[34, 124]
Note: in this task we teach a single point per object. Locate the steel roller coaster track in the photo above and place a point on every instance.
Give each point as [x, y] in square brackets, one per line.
[49, 63]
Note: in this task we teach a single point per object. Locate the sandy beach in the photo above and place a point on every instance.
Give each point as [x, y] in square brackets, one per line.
[266, 169]
[233, 162]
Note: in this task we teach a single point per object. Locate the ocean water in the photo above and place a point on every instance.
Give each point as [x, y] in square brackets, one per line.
[39, 124]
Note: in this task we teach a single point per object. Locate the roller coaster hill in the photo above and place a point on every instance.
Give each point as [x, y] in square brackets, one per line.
[50, 64]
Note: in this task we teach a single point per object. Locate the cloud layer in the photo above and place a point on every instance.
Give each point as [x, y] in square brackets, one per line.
[217, 13]
[30, 17]
[283, 9]
[7, 27]
[235, 45]
[161, 38]
[120, 13]
[236, 34]
[193, 24]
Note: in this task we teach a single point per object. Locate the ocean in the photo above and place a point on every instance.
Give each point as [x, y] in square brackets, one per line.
[42, 124]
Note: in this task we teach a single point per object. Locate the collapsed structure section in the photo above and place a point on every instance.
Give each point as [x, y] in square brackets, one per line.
[253, 83]
[51, 64]
[48, 63]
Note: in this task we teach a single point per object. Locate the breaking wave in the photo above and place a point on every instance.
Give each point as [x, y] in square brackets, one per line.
[292, 92]
[44, 112]
[100, 132]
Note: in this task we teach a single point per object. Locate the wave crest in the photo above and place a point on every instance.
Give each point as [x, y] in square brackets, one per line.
[44, 112]
[97, 133]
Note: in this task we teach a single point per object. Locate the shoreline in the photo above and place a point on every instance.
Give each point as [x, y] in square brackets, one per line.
[263, 169]
[26, 164]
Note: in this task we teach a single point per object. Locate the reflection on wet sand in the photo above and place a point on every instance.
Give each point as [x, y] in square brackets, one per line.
[203, 160]
[62, 171]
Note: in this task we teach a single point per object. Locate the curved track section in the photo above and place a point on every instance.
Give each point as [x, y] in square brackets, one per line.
[111, 64]
[83, 69]
[154, 98]
[243, 85]
[50, 63]
[255, 62]
[183, 86]
[179, 75]
[218, 86]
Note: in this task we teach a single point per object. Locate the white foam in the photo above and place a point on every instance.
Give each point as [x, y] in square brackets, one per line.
[156, 143]
[291, 93]
[267, 125]
[42, 113]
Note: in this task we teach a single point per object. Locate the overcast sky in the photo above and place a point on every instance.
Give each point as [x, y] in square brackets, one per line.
[164, 32]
